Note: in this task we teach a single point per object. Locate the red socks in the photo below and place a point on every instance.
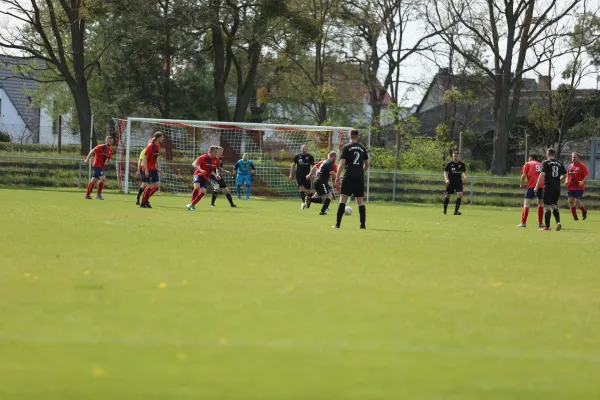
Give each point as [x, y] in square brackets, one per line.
[89, 189]
[574, 211]
[100, 187]
[540, 215]
[524, 214]
[195, 193]
[198, 197]
[582, 208]
[148, 192]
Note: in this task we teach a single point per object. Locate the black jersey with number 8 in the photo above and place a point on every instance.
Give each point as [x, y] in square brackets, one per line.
[553, 170]
[355, 155]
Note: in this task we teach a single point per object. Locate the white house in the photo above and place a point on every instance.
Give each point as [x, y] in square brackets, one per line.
[23, 123]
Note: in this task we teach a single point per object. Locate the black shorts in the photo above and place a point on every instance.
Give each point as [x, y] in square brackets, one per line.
[551, 196]
[322, 188]
[353, 186]
[302, 181]
[454, 187]
[218, 183]
[98, 172]
[152, 176]
[143, 176]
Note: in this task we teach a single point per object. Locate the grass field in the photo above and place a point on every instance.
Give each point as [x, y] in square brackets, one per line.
[103, 300]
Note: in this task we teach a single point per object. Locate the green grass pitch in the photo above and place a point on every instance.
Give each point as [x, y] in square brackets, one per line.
[104, 300]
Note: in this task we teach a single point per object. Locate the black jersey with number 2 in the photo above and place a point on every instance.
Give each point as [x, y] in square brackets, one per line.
[455, 171]
[553, 170]
[355, 155]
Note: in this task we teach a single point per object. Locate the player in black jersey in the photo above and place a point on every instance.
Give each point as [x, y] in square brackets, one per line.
[302, 164]
[355, 162]
[218, 182]
[454, 172]
[552, 173]
[324, 174]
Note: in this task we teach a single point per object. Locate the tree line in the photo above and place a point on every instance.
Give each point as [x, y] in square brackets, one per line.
[232, 59]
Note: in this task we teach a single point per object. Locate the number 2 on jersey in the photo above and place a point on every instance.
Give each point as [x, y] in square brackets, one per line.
[356, 157]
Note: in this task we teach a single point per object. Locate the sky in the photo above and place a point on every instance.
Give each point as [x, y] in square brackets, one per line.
[417, 68]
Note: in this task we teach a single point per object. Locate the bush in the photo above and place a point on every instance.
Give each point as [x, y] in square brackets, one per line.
[382, 159]
[423, 153]
[4, 137]
[37, 148]
[476, 165]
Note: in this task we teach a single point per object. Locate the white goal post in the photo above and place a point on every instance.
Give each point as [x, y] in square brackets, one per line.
[270, 146]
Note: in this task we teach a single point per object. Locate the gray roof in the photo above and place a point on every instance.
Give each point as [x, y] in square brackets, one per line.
[16, 86]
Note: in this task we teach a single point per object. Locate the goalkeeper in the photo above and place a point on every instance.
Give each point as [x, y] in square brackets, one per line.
[244, 170]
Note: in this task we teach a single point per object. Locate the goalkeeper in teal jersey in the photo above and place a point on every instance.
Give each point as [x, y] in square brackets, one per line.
[244, 170]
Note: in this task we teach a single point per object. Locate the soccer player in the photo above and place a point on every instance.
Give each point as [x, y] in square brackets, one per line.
[552, 173]
[316, 198]
[454, 172]
[102, 154]
[217, 179]
[531, 172]
[355, 162]
[301, 165]
[324, 174]
[203, 171]
[577, 175]
[142, 175]
[244, 170]
[150, 166]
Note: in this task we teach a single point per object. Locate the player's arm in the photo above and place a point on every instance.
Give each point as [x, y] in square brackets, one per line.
[87, 159]
[446, 177]
[139, 167]
[252, 168]
[292, 170]
[312, 171]
[197, 166]
[586, 176]
[523, 177]
[367, 165]
[539, 181]
[341, 166]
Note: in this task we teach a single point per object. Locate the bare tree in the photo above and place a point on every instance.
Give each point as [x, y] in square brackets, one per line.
[508, 30]
[55, 33]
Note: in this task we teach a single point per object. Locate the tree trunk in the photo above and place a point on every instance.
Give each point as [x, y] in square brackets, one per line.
[248, 90]
[501, 126]
[219, 78]
[84, 115]
[167, 76]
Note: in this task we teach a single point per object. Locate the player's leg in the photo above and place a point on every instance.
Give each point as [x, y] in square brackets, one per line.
[526, 205]
[223, 188]
[215, 193]
[571, 200]
[142, 188]
[239, 180]
[247, 183]
[100, 187]
[540, 202]
[459, 195]
[447, 193]
[341, 208]
[195, 192]
[201, 194]
[90, 187]
[548, 200]
[151, 188]
[326, 201]
[579, 203]
[362, 211]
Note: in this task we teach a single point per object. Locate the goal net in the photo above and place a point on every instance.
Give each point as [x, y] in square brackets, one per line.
[270, 147]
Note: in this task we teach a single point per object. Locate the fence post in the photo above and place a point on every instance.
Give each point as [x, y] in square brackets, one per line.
[471, 191]
[79, 181]
[394, 188]
[593, 153]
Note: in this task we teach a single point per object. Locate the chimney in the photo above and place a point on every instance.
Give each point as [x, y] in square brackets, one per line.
[543, 82]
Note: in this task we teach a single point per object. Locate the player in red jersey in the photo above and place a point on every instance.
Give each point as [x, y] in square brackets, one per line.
[217, 180]
[102, 154]
[150, 166]
[315, 197]
[531, 172]
[577, 175]
[202, 175]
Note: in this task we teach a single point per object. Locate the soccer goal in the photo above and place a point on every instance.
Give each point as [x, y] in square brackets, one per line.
[270, 147]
